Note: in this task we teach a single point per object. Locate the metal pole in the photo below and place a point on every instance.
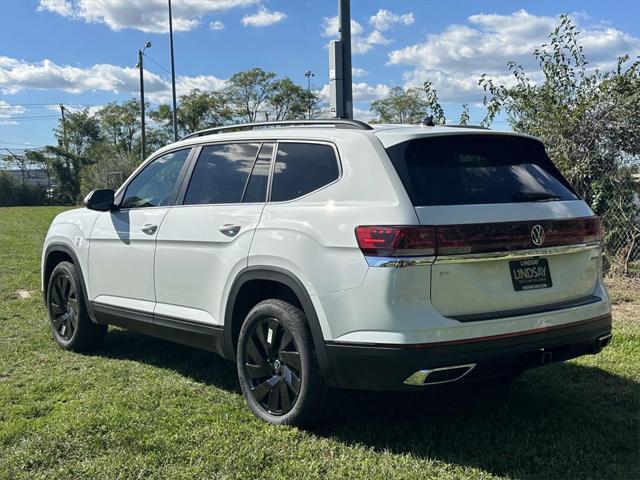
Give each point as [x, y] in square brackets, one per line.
[344, 20]
[309, 74]
[143, 148]
[173, 78]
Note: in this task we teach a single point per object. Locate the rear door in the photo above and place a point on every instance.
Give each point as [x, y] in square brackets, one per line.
[511, 234]
[205, 240]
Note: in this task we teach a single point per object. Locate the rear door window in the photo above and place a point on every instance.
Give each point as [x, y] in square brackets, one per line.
[221, 173]
[477, 169]
[302, 168]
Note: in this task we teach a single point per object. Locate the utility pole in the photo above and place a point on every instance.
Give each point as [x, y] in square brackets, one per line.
[340, 81]
[309, 74]
[344, 20]
[173, 78]
[143, 146]
[65, 143]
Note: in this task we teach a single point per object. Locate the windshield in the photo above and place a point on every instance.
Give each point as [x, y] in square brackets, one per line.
[477, 169]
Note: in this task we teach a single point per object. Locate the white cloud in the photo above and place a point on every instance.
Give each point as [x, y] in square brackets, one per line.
[263, 18]
[61, 7]
[330, 27]
[144, 15]
[360, 43]
[384, 19]
[454, 59]
[17, 75]
[216, 25]
[358, 72]
[362, 92]
[7, 111]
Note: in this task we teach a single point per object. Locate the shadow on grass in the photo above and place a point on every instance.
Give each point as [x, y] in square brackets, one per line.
[198, 365]
[561, 421]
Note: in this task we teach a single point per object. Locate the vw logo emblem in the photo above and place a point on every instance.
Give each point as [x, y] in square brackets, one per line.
[537, 235]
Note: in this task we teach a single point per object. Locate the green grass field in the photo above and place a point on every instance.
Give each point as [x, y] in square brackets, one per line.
[143, 408]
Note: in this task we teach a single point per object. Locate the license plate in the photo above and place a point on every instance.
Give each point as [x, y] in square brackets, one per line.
[530, 274]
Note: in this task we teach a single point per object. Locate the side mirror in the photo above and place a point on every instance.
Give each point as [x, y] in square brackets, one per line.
[100, 200]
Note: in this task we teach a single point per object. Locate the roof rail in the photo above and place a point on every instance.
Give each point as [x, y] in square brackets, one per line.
[337, 123]
[467, 126]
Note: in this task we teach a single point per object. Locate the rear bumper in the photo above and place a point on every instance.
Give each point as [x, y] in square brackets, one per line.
[386, 367]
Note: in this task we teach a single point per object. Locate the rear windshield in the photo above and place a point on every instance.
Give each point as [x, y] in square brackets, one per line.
[475, 169]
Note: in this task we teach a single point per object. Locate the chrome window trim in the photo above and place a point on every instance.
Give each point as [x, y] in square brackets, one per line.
[533, 252]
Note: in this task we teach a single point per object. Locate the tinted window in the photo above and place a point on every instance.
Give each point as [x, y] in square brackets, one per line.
[302, 168]
[475, 169]
[221, 173]
[156, 184]
[256, 190]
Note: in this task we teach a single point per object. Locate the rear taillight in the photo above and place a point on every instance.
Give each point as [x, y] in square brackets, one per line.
[397, 241]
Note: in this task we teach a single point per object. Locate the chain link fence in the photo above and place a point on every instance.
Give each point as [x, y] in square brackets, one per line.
[617, 201]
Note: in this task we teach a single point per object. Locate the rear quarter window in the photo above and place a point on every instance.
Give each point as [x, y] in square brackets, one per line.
[477, 169]
[302, 168]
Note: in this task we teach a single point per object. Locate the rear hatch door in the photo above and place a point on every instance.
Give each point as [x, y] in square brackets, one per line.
[512, 236]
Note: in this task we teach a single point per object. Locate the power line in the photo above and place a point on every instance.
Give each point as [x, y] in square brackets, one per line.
[180, 79]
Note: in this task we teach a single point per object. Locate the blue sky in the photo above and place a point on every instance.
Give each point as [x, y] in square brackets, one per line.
[83, 52]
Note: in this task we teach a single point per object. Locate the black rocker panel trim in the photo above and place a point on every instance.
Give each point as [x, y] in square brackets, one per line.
[185, 332]
[64, 248]
[290, 280]
[126, 318]
[194, 334]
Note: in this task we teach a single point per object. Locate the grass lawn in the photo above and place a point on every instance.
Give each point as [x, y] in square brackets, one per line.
[144, 408]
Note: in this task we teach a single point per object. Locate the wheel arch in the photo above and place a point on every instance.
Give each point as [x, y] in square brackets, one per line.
[60, 252]
[289, 285]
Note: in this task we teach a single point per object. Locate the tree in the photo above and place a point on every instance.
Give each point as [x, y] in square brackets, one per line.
[288, 101]
[401, 106]
[249, 91]
[198, 110]
[589, 121]
[120, 125]
[432, 102]
[67, 167]
[464, 116]
[79, 131]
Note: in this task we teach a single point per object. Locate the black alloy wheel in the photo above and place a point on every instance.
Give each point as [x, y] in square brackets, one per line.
[64, 307]
[272, 366]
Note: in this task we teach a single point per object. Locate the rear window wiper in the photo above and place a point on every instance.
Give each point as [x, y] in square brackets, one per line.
[535, 196]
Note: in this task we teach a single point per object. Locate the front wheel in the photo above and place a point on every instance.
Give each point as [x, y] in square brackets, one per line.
[71, 327]
[277, 366]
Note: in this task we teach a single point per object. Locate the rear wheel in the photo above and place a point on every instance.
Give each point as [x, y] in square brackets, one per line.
[277, 366]
[71, 327]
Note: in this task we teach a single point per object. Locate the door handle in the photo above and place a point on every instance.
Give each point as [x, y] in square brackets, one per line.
[229, 229]
[149, 228]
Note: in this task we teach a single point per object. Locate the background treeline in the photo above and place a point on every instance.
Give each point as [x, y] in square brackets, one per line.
[589, 121]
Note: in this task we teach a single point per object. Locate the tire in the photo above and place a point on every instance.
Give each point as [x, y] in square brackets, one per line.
[278, 371]
[69, 321]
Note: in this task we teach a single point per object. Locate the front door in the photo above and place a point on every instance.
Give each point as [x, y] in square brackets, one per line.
[122, 242]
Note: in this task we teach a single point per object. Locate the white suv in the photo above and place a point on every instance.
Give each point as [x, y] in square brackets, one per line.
[334, 254]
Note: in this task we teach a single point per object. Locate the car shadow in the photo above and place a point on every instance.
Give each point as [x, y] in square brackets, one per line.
[198, 365]
[562, 421]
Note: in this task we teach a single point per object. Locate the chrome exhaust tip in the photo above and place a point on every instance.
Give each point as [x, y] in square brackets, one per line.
[433, 376]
